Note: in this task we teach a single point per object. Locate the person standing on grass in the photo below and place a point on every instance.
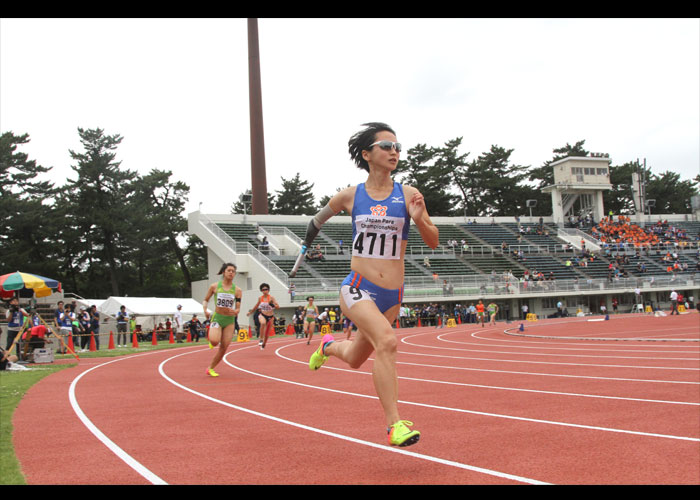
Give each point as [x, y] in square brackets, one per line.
[177, 318]
[122, 319]
[371, 295]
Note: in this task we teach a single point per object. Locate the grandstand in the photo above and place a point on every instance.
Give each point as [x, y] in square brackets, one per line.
[491, 261]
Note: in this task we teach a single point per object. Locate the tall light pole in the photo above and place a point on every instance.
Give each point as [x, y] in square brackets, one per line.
[257, 139]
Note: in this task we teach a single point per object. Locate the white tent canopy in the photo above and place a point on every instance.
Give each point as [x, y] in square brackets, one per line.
[149, 311]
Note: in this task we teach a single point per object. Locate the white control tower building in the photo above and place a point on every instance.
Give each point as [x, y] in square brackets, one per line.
[579, 183]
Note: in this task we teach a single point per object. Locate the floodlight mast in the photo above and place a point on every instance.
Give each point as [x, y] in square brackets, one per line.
[257, 140]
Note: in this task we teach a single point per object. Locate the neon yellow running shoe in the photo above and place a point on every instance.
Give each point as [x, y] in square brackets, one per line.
[401, 435]
[212, 373]
[318, 358]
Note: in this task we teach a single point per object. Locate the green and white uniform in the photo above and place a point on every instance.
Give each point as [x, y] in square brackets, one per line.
[224, 298]
[310, 314]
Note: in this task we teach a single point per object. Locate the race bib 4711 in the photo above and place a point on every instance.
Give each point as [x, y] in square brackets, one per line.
[378, 236]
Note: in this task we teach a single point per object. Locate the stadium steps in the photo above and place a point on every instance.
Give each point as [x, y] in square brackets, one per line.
[240, 232]
[547, 264]
[492, 234]
[448, 265]
[532, 238]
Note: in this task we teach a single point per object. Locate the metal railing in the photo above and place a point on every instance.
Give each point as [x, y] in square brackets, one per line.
[244, 247]
[477, 286]
[468, 285]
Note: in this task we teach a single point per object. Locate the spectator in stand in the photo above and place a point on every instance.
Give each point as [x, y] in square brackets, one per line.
[265, 246]
[316, 254]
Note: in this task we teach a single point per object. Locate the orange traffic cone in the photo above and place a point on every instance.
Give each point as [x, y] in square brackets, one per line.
[134, 341]
[189, 336]
[290, 330]
[111, 340]
[70, 342]
[93, 344]
[398, 325]
[154, 338]
[419, 324]
[172, 340]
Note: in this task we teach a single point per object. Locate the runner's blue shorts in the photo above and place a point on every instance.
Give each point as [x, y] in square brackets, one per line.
[355, 288]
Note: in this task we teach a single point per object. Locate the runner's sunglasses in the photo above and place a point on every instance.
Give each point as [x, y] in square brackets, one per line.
[387, 145]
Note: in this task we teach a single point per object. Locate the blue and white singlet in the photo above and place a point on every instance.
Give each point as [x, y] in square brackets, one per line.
[379, 227]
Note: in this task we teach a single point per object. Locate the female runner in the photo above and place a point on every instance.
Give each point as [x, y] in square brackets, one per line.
[371, 294]
[347, 327]
[492, 308]
[227, 299]
[267, 305]
[310, 321]
[480, 313]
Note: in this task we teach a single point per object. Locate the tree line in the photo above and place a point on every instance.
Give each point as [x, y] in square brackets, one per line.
[492, 185]
[107, 231]
[111, 231]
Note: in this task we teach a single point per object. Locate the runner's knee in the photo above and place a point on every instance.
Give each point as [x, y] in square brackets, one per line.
[386, 343]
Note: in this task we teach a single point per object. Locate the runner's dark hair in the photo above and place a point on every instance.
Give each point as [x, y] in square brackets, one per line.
[223, 268]
[361, 141]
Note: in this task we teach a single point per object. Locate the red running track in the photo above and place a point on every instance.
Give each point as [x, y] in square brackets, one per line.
[550, 404]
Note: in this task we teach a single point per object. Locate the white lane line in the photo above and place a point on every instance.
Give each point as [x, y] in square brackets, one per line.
[460, 410]
[501, 360]
[554, 346]
[525, 373]
[401, 451]
[539, 391]
[111, 445]
[539, 374]
[596, 356]
[495, 387]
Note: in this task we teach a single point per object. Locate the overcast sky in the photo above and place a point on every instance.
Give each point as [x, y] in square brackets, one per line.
[177, 91]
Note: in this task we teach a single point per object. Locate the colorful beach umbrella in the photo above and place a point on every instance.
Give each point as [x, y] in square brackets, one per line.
[20, 281]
